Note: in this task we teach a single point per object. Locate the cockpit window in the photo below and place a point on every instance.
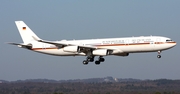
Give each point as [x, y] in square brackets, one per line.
[168, 40]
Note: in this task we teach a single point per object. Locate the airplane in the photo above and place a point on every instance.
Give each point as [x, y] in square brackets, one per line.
[92, 47]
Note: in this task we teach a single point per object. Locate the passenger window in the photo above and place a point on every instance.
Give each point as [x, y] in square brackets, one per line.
[168, 40]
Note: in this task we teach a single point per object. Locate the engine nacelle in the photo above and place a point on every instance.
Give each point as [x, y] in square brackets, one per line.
[71, 49]
[122, 54]
[100, 52]
[125, 54]
[117, 51]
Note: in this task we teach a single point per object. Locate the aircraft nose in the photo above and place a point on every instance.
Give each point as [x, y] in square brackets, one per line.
[174, 44]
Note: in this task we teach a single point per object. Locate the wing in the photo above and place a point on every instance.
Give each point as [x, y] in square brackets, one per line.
[83, 48]
[62, 44]
[59, 44]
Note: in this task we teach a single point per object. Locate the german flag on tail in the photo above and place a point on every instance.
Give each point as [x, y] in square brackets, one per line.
[24, 28]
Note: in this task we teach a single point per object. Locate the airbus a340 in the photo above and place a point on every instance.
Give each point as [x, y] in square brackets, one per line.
[92, 47]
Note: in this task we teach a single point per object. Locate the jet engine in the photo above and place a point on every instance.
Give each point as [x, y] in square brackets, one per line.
[101, 52]
[71, 49]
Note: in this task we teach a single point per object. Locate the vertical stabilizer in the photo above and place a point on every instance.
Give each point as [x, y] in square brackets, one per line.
[26, 33]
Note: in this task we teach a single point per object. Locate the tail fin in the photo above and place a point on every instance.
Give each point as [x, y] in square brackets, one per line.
[26, 33]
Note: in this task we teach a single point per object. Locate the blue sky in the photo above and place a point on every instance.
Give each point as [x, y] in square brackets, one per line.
[87, 19]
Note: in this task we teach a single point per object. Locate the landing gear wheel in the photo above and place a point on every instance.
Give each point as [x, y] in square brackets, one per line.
[85, 62]
[101, 59]
[158, 56]
[90, 58]
[97, 62]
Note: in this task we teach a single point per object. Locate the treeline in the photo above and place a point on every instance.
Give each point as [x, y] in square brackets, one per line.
[162, 86]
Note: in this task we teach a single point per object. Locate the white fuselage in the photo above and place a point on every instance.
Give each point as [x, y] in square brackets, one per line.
[92, 47]
[122, 45]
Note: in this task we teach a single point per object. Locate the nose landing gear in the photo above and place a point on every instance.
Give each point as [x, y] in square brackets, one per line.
[159, 56]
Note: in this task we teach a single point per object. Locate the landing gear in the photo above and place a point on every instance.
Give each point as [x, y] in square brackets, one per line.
[85, 62]
[97, 62]
[91, 59]
[159, 56]
[88, 59]
[101, 59]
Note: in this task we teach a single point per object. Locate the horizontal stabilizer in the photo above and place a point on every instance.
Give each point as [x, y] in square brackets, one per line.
[21, 45]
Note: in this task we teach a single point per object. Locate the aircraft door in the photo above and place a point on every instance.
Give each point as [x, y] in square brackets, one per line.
[44, 46]
[126, 42]
[158, 40]
[156, 43]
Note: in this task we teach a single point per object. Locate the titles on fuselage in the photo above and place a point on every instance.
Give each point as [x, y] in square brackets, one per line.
[125, 41]
[113, 42]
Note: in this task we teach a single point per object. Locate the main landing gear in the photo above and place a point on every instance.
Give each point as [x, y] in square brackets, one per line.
[91, 59]
[88, 59]
[159, 56]
[100, 59]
